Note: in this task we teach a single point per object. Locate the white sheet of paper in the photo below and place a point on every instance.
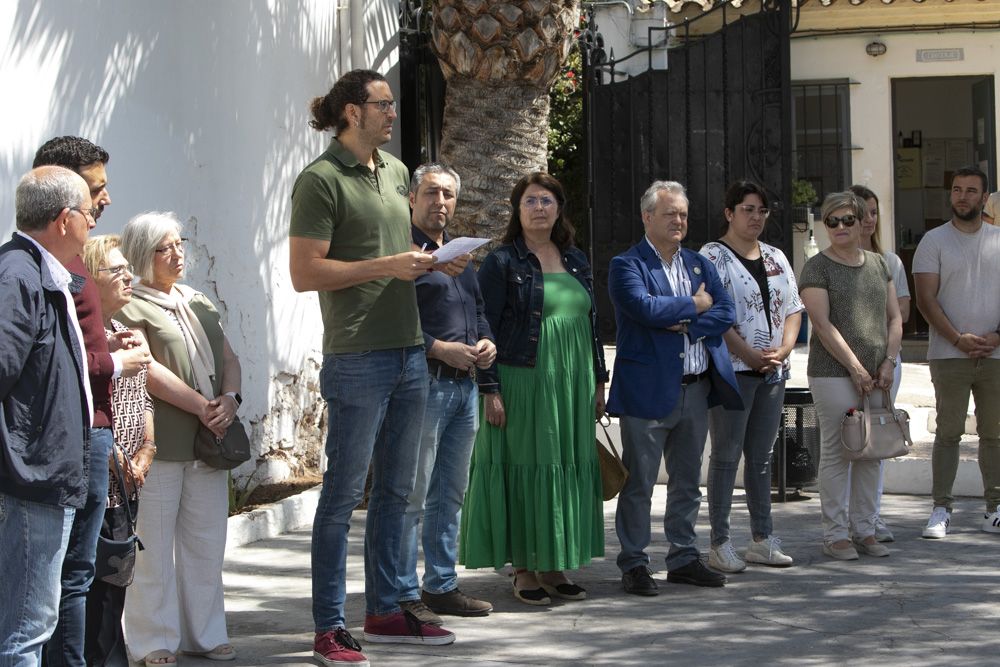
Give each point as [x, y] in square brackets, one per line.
[456, 247]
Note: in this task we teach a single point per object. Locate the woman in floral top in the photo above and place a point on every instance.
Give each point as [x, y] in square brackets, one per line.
[132, 411]
[768, 315]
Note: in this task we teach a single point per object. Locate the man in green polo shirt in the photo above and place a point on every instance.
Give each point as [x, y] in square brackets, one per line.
[350, 242]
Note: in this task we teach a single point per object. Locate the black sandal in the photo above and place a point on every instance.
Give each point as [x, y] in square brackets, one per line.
[566, 591]
[534, 596]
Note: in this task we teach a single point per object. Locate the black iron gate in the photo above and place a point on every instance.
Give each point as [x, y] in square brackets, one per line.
[719, 112]
[421, 86]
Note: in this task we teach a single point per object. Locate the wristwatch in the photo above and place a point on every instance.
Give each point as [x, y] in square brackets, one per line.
[235, 395]
[892, 360]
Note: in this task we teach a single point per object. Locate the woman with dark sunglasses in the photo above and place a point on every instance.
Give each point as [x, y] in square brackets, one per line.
[857, 332]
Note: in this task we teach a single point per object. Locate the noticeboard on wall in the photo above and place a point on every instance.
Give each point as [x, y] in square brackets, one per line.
[908, 168]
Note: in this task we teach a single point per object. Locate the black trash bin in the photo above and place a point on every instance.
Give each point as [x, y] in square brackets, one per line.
[795, 461]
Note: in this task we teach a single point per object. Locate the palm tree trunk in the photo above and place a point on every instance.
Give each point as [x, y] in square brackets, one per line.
[499, 59]
[494, 133]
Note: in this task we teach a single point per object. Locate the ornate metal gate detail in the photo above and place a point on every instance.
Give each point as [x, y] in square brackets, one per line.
[719, 112]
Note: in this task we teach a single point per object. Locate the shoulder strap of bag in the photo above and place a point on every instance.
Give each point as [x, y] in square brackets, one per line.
[121, 483]
[610, 446]
[866, 410]
[887, 401]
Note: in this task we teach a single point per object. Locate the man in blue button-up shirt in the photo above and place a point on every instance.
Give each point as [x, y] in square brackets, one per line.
[458, 340]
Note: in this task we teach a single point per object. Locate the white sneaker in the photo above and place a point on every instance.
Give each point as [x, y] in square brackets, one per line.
[937, 525]
[991, 522]
[882, 532]
[725, 559]
[767, 552]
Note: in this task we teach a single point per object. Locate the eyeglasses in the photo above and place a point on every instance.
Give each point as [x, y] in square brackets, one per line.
[384, 105]
[532, 202]
[172, 248]
[834, 221]
[92, 212]
[674, 213]
[752, 210]
[116, 271]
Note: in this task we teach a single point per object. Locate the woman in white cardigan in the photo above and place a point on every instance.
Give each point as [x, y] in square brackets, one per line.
[768, 315]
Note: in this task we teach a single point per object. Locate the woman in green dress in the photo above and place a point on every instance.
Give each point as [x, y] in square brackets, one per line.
[534, 497]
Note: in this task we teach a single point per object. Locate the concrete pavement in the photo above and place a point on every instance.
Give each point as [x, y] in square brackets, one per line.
[932, 602]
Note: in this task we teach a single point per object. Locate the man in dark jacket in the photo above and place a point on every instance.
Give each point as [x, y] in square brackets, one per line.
[46, 410]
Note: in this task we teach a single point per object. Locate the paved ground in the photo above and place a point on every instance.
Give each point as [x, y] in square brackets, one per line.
[933, 602]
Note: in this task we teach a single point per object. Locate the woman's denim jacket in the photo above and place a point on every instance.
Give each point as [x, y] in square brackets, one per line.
[510, 279]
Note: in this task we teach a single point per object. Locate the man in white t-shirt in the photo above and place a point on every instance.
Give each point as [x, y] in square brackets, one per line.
[956, 271]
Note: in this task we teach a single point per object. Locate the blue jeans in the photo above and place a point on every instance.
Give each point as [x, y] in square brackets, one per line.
[375, 402]
[450, 425]
[65, 649]
[679, 439]
[33, 539]
[749, 433]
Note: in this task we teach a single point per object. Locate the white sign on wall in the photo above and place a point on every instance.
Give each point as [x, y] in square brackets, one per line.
[939, 55]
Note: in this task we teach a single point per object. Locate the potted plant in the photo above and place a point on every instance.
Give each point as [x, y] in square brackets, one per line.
[803, 197]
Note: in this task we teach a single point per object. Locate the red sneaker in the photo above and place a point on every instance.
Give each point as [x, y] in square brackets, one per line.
[404, 628]
[336, 648]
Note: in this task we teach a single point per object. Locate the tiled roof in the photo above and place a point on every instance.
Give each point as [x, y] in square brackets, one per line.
[682, 5]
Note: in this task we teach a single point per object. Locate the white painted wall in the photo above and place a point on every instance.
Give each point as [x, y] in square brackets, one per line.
[625, 29]
[204, 109]
[871, 100]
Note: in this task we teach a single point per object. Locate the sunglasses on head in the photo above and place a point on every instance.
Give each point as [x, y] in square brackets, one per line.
[834, 221]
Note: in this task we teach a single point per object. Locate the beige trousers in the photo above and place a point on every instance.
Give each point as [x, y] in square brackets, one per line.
[176, 601]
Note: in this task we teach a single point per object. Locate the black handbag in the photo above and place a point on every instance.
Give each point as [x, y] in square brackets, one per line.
[115, 561]
[223, 453]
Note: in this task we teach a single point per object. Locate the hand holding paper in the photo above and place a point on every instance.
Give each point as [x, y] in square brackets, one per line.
[456, 247]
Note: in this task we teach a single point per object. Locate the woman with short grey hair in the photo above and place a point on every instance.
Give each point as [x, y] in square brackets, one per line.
[176, 601]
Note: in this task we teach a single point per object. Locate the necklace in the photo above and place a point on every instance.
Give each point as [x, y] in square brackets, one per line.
[857, 260]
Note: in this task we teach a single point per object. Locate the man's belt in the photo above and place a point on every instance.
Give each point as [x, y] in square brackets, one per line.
[692, 378]
[440, 370]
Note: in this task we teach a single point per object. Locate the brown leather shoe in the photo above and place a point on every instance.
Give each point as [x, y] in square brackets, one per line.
[421, 611]
[455, 603]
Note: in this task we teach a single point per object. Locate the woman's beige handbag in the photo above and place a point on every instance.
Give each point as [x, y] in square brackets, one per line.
[873, 434]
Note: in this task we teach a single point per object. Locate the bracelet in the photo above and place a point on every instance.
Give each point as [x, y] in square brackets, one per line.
[958, 339]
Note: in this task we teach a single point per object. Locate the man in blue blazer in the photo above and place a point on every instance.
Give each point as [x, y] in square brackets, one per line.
[671, 365]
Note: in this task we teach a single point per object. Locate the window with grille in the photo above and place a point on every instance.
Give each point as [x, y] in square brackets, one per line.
[821, 137]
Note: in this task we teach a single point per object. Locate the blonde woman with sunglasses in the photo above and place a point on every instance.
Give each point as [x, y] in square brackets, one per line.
[870, 239]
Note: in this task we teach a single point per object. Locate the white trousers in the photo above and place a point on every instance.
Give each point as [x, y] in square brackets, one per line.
[176, 601]
[848, 490]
